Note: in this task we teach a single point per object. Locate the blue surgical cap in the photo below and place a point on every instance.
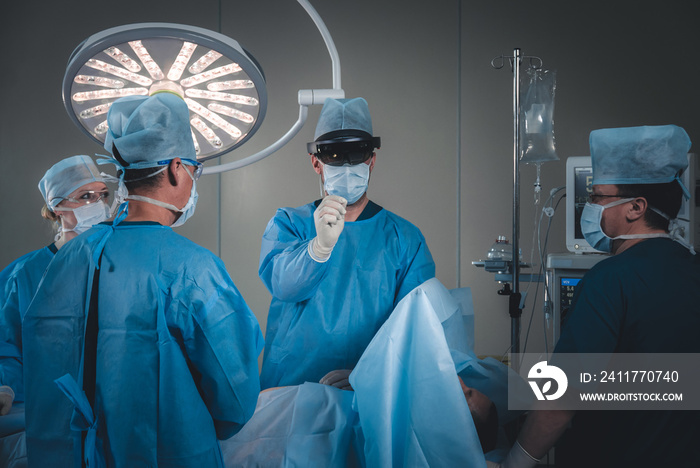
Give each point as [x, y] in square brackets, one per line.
[639, 155]
[339, 117]
[149, 128]
[65, 177]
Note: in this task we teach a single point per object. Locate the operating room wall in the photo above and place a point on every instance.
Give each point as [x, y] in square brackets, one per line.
[424, 68]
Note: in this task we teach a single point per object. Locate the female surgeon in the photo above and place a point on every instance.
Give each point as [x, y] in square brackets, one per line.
[75, 196]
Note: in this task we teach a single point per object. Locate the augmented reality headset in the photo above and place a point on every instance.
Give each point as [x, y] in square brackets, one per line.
[353, 150]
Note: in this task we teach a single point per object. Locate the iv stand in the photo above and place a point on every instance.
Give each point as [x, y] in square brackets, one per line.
[515, 307]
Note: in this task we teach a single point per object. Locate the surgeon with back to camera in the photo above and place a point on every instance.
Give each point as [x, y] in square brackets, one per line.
[336, 267]
[169, 360]
[75, 196]
[644, 299]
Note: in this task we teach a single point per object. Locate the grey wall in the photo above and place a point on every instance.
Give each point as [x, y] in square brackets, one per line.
[618, 64]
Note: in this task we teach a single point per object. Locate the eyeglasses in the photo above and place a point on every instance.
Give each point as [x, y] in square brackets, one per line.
[91, 196]
[594, 198]
[199, 167]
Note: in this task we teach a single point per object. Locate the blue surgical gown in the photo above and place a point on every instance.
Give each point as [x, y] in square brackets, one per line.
[323, 315]
[643, 300]
[18, 282]
[177, 347]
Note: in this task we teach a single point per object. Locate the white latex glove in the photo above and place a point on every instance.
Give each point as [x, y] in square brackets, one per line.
[7, 396]
[338, 379]
[329, 219]
[517, 458]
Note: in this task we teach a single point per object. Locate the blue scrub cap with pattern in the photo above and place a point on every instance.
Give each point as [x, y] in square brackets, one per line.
[66, 176]
[343, 115]
[639, 155]
[149, 129]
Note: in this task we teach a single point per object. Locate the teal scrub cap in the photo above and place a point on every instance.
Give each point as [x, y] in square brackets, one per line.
[639, 155]
[147, 129]
[65, 177]
[342, 118]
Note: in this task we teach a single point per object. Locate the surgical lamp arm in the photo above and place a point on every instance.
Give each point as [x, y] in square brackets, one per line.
[307, 97]
[330, 45]
[303, 112]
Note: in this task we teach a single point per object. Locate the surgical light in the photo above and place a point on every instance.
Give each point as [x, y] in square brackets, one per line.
[221, 83]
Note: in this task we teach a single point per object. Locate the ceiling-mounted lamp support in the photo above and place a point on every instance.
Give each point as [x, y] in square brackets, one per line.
[306, 98]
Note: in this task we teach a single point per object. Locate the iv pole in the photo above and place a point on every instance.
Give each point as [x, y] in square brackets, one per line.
[515, 307]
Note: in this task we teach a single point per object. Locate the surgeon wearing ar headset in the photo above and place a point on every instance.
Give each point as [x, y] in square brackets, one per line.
[75, 195]
[337, 267]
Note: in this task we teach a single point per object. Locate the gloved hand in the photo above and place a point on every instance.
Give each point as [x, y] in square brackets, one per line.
[338, 379]
[329, 219]
[517, 458]
[7, 396]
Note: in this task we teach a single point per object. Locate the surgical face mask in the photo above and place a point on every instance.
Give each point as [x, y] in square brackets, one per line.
[187, 210]
[593, 232]
[347, 181]
[87, 216]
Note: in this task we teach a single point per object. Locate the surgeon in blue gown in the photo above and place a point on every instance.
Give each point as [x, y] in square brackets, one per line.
[337, 267]
[75, 194]
[139, 349]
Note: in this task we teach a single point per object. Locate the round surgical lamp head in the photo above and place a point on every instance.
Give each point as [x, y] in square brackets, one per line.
[223, 86]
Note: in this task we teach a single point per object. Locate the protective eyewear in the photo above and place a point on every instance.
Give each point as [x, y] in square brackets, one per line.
[91, 196]
[595, 198]
[199, 167]
[340, 152]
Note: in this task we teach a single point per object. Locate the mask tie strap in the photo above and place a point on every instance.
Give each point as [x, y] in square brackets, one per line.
[122, 192]
[686, 192]
[674, 229]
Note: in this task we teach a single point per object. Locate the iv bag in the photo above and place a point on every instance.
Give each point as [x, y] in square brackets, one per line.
[537, 118]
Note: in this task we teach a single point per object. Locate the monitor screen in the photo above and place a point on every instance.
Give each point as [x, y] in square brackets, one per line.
[567, 285]
[583, 175]
[579, 177]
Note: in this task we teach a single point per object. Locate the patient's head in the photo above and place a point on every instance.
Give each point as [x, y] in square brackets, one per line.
[484, 414]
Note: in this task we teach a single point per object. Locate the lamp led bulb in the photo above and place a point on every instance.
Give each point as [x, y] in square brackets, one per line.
[181, 61]
[151, 66]
[126, 61]
[204, 61]
[99, 81]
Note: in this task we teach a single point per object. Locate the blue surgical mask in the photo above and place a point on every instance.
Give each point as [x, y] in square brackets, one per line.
[347, 181]
[188, 210]
[593, 232]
